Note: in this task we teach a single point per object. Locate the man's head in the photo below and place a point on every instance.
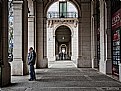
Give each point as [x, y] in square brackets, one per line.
[30, 49]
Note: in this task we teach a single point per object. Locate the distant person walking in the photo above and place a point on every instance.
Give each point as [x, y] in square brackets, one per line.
[31, 62]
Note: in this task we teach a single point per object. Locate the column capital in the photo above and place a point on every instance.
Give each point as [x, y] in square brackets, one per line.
[17, 5]
[31, 16]
[17, 1]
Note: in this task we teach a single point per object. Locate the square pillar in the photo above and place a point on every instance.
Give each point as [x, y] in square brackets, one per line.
[120, 72]
[31, 25]
[102, 63]
[84, 36]
[105, 38]
[31, 32]
[17, 49]
[93, 36]
[5, 66]
[41, 36]
[19, 64]
[50, 42]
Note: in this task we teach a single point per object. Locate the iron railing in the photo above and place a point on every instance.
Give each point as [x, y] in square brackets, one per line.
[62, 15]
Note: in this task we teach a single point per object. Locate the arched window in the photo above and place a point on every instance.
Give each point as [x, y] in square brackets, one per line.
[62, 9]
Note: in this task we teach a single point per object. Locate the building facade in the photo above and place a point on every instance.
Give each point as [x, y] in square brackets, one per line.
[90, 39]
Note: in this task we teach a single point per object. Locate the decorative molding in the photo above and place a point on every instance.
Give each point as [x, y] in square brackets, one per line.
[17, 2]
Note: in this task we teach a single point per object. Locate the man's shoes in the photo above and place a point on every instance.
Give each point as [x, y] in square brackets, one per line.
[34, 79]
[30, 79]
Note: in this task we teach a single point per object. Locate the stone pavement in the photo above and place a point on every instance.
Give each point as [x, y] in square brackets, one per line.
[64, 76]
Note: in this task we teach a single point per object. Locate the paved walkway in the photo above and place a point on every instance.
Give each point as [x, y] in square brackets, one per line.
[64, 76]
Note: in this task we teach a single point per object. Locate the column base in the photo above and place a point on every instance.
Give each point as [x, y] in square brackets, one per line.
[94, 63]
[42, 63]
[51, 58]
[105, 67]
[102, 66]
[108, 66]
[6, 75]
[17, 67]
[45, 63]
[84, 63]
[74, 59]
[120, 72]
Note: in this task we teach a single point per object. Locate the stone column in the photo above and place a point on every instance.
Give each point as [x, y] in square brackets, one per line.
[79, 43]
[84, 55]
[5, 67]
[45, 59]
[31, 32]
[105, 38]
[102, 63]
[31, 27]
[50, 41]
[0, 33]
[74, 42]
[120, 72]
[108, 37]
[41, 61]
[25, 38]
[93, 35]
[19, 64]
[0, 44]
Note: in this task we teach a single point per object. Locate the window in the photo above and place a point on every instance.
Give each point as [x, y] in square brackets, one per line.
[63, 9]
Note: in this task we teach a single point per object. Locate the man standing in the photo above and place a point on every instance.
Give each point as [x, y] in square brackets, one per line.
[31, 62]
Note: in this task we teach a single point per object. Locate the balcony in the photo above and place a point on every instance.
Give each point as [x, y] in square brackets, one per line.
[62, 15]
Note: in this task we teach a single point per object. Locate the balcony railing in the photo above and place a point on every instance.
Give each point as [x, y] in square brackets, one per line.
[62, 15]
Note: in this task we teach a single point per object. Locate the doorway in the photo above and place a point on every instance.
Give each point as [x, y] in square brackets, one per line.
[63, 43]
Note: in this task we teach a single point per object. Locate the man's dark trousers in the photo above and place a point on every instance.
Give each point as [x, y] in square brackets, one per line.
[32, 72]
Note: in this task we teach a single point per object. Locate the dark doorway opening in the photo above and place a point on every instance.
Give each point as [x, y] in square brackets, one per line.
[63, 43]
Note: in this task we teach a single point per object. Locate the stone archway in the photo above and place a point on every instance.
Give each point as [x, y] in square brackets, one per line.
[83, 27]
[41, 30]
[63, 43]
[74, 2]
[54, 24]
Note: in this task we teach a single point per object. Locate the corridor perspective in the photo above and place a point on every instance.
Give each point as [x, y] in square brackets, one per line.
[75, 45]
[64, 76]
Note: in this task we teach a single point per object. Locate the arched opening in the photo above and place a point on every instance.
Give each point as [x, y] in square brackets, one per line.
[63, 43]
[62, 9]
[62, 31]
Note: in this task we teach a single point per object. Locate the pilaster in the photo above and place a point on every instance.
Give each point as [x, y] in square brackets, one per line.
[45, 59]
[31, 32]
[93, 35]
[102, 63]
[105, 38]
[120, 72]
[108, 37]
[31, 25]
